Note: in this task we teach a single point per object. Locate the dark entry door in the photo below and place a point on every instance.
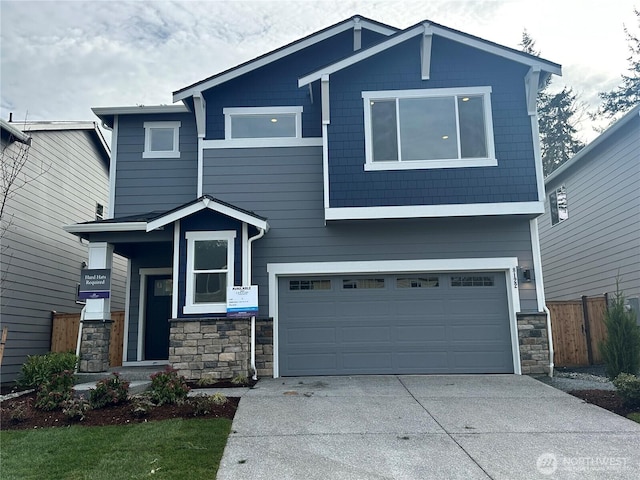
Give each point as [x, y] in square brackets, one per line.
[157, 314]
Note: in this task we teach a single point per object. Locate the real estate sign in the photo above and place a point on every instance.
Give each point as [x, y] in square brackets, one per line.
[95, 283]
[242, 301]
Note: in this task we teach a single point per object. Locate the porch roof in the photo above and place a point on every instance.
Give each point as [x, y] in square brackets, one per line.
[155, 220]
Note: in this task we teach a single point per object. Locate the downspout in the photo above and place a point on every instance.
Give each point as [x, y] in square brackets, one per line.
[253, 318]
[79, 340]
[550, 340]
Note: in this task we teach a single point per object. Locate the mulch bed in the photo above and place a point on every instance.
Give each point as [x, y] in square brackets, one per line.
[114, 415]
[607, 399]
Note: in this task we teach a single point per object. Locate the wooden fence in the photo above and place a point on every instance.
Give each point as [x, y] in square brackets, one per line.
[64, 335]
[578, 328]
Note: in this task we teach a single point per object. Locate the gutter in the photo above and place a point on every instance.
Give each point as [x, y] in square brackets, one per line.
[253, 318]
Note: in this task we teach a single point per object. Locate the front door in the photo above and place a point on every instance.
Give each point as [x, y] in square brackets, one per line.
[156, 318]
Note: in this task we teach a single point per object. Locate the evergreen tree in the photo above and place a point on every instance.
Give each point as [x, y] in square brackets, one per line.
[556, 118]
[626, 95]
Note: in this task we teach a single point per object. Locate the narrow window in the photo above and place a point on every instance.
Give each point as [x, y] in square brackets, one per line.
[363, 283]
[421, 282]
[99, 211]
[472, 281]
[558, 205]
[309, 285]
[263, 122]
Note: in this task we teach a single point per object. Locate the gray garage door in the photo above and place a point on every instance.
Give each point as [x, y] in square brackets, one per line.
[383, 324]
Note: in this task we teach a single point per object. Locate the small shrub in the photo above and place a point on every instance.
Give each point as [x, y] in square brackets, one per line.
[75, 408]
[16, 413]
[141, 405]
[203, 404]
[206, 381]
[628, 387]
[621, 349]
[55, 391]
[109, 391]
[168, 387]
[240, 380]
[39, 368]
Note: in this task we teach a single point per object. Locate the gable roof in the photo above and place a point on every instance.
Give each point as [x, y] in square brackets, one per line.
[633, 114]
[148, 222]
[428, 27]
[282, 52]
[211, 203]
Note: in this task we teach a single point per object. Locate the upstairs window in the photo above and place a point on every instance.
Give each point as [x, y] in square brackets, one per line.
[161, 140]
[263, 122]
[558, 205]
[99, 211]
[436, 128]
[210, 261]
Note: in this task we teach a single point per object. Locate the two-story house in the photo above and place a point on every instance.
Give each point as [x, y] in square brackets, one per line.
[381, 188]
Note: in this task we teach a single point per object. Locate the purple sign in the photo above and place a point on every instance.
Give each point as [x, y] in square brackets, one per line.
[95, 283]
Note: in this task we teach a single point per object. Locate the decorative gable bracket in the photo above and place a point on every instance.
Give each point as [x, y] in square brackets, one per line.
[532, 85]
[425, 48]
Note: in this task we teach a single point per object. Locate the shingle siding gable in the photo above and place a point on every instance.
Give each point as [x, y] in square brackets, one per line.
[452, 65]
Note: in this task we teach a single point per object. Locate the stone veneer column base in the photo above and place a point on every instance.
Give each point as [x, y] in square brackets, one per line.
[94, 346]
[534, 343]
[216, 348]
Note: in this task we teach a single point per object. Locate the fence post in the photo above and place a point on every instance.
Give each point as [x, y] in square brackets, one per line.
[587, 328]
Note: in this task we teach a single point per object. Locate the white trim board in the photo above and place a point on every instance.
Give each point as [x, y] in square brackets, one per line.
[211, 204]
[508, 265]
[428, 211]
[106, 227]
[144, 272]
[263, 142]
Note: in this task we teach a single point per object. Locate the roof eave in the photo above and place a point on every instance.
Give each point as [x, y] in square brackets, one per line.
[534, 62]
[634, 113]
[279, 53]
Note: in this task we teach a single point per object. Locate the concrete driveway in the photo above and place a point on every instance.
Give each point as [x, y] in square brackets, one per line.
[423, 427]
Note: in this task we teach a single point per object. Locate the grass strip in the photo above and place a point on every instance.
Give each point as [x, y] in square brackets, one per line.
[171, 449]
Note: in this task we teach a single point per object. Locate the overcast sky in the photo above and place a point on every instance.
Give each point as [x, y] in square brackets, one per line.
[60, 58]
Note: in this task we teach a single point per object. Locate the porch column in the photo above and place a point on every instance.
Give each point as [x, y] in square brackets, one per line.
[96, 325]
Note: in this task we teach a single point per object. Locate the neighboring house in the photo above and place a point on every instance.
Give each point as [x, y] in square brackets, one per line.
[590, 232]
[380, 186]
[64, 179]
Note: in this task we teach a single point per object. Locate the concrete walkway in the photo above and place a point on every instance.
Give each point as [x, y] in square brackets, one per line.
[423, 427]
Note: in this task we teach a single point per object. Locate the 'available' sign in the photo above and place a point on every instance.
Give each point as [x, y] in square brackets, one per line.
[242, 301]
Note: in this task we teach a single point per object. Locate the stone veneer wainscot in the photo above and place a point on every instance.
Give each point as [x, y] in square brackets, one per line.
[219, 347]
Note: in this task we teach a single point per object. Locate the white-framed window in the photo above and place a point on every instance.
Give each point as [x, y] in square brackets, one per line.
[161, 140]
[432, 128]
[210, 261]
[558, 205]
[262, 122]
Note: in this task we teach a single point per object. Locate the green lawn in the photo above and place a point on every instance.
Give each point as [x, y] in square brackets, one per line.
[171, 449]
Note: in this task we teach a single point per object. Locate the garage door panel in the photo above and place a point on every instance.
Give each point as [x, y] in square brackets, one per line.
[363, 361]
[407, 326]
[475, 333]
[410, 306]
[358, 307]
[365, 333]
[423, 361]
[308, 363]
[315, 335]
[303, 311]
[422, 333]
